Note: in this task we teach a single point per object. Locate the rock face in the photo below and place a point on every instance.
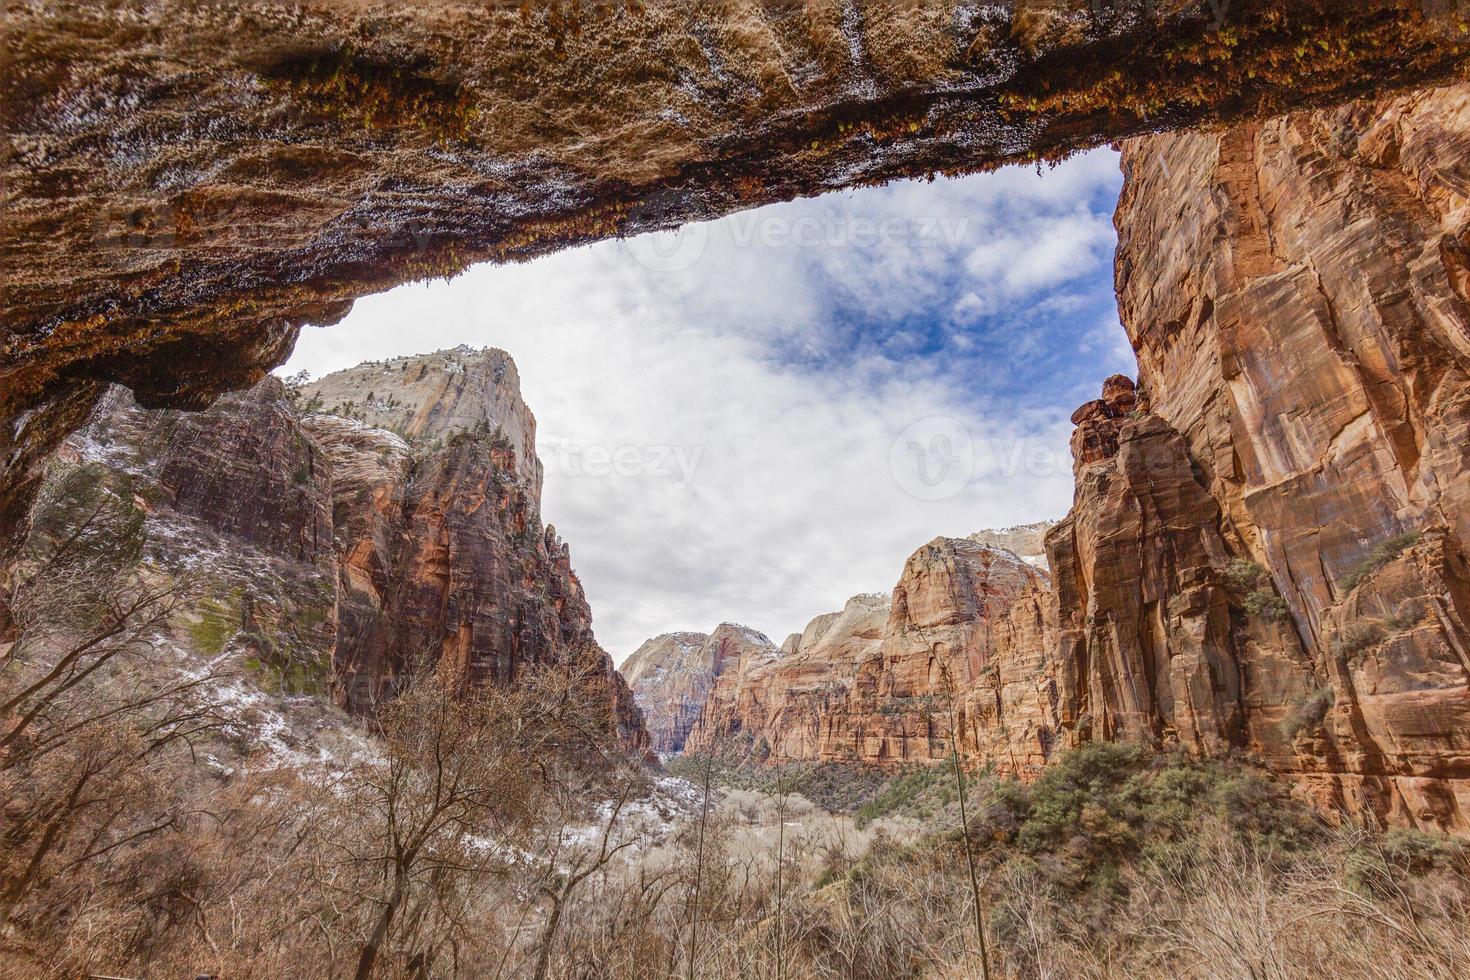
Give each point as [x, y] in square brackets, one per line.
[872, 683]
[1026, 540]
[435, 397]
[238, 504]
[1297, 294]
[189, 183]
[779, 706]
[1153, 630]
[400, 558]
[671, 675]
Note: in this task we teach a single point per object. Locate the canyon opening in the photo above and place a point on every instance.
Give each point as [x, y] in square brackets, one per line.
[897, 488]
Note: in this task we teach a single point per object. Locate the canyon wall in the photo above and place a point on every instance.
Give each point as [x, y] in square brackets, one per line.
[872, 683]
[343, 557]
[1297, 294]
[434, 397]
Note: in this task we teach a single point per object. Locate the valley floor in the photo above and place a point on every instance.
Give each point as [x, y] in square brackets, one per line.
[1119, 862]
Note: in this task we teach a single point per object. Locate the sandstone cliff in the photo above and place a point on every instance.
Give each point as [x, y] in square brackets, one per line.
[671, 675]
[1297, 294]
[1267, 546]
[349, 558]
[237, 502]
[444, 556]
[872, 683]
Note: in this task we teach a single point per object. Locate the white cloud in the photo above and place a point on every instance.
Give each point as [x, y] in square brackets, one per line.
[717, 440]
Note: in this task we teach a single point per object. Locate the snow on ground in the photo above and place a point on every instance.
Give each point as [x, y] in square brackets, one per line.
[272, 731]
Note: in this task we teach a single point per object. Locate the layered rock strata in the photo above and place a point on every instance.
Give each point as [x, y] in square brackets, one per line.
[1027, 540]
[874, 683]
[434, 397]
[1297, 295]
[671, 675]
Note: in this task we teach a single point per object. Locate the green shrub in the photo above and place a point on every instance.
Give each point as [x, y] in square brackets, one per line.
[1355, 639]
[1250, 579]
[1104, 804]
[1307, 712]
[1244, 574]
[1080, 793]
[907, 794]
[1415, 851]
[1382, 554]
[1266, 604]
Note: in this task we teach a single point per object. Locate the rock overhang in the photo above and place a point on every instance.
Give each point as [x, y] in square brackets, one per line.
[190, 183]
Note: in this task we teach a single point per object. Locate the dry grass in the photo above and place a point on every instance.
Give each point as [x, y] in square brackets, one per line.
[1245, 884]
[466, 842]
[278, 875]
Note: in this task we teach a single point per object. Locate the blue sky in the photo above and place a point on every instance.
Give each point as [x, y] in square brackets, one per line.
[755, 418]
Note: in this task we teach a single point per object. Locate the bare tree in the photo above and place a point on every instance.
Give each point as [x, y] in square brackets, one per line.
[959, 778]
[567, 869]
[709, 766]
[85, 733]
[78, 598]
[462, 782]
[783, 794]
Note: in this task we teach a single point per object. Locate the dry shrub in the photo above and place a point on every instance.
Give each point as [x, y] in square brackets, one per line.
[467, 840]
[1122, 865]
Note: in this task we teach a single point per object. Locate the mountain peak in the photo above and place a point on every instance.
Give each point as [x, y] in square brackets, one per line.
[436, 396]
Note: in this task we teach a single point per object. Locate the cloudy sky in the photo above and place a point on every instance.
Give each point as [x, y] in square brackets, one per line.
[758, 417]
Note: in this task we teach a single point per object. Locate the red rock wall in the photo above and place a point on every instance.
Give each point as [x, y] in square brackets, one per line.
[454, 565]
[871, 686]
[1297, 295]
[333, 542]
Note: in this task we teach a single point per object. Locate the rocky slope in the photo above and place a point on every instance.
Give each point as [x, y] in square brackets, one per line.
[671, 675]
[188, 183]
[869, 684]
[346, 559]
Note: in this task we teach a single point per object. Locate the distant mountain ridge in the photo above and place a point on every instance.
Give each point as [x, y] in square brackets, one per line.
[813, 698]
[671, 675]
[1026, 540]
